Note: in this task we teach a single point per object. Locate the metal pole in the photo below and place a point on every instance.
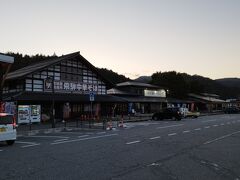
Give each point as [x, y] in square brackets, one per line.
[53, 104]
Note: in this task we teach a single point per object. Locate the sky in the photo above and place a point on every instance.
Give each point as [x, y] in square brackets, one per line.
[131, 37]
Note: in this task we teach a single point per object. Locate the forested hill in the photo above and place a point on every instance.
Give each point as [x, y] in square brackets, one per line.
[112, 76]
[21, 60]
[229, 82]
[180, 84]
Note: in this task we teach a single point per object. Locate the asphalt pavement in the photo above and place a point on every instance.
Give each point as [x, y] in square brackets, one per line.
[204, 148]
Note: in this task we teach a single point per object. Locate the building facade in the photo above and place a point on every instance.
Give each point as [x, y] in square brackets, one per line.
[141, 97]
[60, 87]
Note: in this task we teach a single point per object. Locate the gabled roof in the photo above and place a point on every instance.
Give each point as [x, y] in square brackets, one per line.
[38, 66]
[139, 84]
[20, 73]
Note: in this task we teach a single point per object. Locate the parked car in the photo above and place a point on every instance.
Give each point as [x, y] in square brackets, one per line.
[232, 110]
[8, 131]
[194, 114]
[168, 113]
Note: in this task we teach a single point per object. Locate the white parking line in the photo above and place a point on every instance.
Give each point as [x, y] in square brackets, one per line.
[60, 140]
[89, 138]
[157, 137]
[133, 142]
[83, 136]
[48, 137]
[163, 127]
[188, 131]
[220, 138]
[1, 150]
[198, 129]
[207, 127]
[172, 134]
[222, 124]
[209, 121]
[30, 145]
[215, 125]
[22, 142]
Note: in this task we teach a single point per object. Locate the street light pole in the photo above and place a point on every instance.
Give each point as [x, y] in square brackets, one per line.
[53, 104]
[51, 80]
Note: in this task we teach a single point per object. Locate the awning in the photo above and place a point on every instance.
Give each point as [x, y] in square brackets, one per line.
[35, 96]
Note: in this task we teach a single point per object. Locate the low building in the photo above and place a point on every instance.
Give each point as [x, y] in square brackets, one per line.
[141, 97]
[59, 87]
[208, 102]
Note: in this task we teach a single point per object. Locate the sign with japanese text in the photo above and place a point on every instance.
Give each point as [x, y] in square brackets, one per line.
[70, 86]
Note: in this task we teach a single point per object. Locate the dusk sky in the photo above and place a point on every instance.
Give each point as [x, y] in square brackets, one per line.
[131, 37]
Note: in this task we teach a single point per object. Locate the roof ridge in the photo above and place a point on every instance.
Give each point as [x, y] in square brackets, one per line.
[41, 64]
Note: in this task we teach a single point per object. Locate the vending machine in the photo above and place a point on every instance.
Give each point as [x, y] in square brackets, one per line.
[29, 114]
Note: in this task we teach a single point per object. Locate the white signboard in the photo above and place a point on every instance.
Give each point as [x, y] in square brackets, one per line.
[155, 93]
[70, 86]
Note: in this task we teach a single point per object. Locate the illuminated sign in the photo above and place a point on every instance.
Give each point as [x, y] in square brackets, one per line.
[155, 93]
[70, 86]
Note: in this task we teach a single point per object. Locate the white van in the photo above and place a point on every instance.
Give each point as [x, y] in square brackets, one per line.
[8, 131]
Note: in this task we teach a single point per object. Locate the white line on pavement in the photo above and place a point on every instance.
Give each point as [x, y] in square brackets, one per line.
[89, 138]
[222, 124]
[215, 125]
[1, 150]
[30, 145]
[157, 137]
[22, 142]
[186, 131]
[48, 137]
[163, 127]
[133, 142]
[198, 129]
[60, 140]
[207, 127]
[173, 134]
[209, 121]
[220, 138]
[83, 136]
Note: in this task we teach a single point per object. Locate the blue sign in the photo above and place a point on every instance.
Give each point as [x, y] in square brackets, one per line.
[91, 96]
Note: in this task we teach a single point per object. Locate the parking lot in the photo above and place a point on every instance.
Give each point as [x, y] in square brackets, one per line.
[207, 146]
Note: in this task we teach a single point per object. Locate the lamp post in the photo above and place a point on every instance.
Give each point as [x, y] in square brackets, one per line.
[51, 80]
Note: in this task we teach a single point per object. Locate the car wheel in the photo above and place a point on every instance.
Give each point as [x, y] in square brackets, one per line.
[10, 142]
[155, 118]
